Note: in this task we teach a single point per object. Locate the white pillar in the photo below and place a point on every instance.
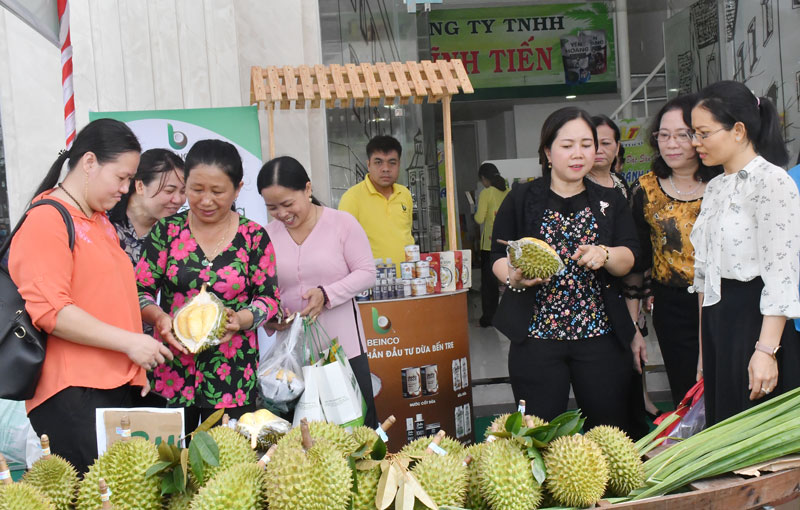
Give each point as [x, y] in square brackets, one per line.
[623, 54]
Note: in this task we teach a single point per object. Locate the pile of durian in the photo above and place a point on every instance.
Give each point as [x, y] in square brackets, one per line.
[525, 464]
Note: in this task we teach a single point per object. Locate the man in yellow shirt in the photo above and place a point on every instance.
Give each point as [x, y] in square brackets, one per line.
[382, 207]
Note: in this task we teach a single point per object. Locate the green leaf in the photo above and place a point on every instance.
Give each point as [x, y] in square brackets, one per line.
[156, 468]
[185, 466]
[514, 422]
[210, 421]
[378, 450]
[361, 451]
[167, 486]
[537, 465]
[193, 284]
[207, 447]
[178, 479]
[165, 452]
[351, 463]
[569, 428]
[501, 434]
[196, 460]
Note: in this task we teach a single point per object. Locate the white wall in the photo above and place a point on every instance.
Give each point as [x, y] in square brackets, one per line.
[153, 54]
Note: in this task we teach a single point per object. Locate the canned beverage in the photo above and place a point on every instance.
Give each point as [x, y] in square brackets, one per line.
[430, 379]
[363, 296]
[456, 375]
[419, 287]
[407, 288]
[423, 269]
[407, 270]
[412, 384]
[412, 252]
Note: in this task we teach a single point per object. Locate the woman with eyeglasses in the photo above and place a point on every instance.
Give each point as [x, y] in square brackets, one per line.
[666, 202]
[747, 248]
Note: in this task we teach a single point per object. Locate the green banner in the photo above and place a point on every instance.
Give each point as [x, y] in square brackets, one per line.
[638, 153]
[525, 51]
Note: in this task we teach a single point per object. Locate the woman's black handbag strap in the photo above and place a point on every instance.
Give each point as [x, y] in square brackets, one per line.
[64, 215]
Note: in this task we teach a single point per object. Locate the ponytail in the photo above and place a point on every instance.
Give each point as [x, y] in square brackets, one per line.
[51, 179]
[490, 172]
[769, 143]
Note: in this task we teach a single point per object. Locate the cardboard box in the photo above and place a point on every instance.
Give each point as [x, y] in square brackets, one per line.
[447, 271]
[459, 269]
[466, 268]
[434, 278]
[152, 424]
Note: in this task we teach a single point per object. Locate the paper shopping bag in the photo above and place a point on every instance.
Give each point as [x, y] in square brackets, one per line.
[309, 405]
[339, 393]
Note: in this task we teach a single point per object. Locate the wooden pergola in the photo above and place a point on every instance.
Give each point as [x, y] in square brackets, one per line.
[338, 86]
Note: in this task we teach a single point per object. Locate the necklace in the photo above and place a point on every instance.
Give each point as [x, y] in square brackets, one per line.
[74, 200]
[679, 192]
[207, 261]
[596, 181]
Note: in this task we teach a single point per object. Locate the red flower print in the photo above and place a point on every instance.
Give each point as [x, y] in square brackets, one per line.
[240, 397]
[242, 298]
[248, 372]
[277, 293]
[267, 261]
[162, 260]
[242, 229]
[143, 274]
[251, 339]
[172, 271]
[231, 347]
[227, 401]
[183, 245]
[259, 277]
[173, 230]
[169, 384]
[224, 371]
[205, 274]
[257, 239]
[188, 393]
[242, 255]
[199, 378]
[160, 370]
[230, 287]
[187, 360]
[178, 300]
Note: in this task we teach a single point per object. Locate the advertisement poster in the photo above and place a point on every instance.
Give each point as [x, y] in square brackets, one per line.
[419, 352]
[177, 130]
[638, 153]
[532, 50]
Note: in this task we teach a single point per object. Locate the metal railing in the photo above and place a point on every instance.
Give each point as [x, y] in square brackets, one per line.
[642, 88]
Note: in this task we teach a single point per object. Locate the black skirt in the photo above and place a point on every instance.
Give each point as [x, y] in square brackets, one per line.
[731, 328]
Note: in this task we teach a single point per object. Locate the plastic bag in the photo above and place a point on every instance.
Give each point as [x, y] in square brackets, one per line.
[693, 422]
[280, 375]
[693, 398]
[14, 432]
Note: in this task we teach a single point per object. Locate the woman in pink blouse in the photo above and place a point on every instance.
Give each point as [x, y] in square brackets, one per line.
[323, 261]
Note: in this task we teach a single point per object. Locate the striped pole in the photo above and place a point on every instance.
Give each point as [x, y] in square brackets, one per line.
[66, 72]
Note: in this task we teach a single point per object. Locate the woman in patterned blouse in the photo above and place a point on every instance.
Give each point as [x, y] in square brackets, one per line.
[747, 247]
[573, 328]
[666, 202]
[213, 245]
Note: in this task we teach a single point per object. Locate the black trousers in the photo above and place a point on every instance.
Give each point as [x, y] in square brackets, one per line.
[68, 417]
[490, 294]
[730, 330]
[598, 369]
[676, 322]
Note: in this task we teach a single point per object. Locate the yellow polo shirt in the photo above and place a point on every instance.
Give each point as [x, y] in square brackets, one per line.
[386, 222]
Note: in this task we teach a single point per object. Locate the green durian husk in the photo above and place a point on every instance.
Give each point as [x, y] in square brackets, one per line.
[182, 500]
[625, 466]
[233, 449]
[577, 471]
[444, 478]
[56, 478]
[417, 447]
[240, 487]
[534, 257]
[344, 441]
[474, 499]
[368, 479]
[505, 478]
[23, 496]
[123, 467]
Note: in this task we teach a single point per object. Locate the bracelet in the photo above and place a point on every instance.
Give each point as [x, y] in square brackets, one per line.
[605, 248]
[325, 299]
[508, 284]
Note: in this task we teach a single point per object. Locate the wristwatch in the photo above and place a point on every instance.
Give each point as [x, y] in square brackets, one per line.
[772, 351]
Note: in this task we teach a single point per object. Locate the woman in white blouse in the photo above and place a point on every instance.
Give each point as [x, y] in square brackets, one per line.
[747, 247]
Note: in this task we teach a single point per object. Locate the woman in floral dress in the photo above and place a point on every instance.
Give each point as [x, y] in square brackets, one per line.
[210, 244]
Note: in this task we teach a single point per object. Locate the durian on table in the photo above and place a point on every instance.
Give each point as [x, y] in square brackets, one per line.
[54, 476]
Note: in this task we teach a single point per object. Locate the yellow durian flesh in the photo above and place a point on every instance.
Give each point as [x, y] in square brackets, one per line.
[200, 323]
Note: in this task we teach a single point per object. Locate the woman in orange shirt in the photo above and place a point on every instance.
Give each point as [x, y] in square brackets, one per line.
[85, 299]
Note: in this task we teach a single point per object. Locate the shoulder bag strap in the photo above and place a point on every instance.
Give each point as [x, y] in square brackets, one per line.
[64, 215]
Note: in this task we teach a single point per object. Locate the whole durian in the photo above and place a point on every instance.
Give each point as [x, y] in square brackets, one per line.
[577, 471]
[505, 478]
[626, 472]
[23, 496]
[233, 449]
[123, 466]
[444, 478]
[474, 499]
[368, 479]
[316, 478]
[365, 435]
[534, 257]
[56, 478]
[241, 487]
[499, 423]
[182, 500]
[339, 437]
[417, 447]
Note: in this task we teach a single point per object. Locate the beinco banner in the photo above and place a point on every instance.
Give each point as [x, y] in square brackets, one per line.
[177, 130]
[535, 50]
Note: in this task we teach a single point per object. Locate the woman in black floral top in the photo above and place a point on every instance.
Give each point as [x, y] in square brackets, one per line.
[574, 328]
[212, 244]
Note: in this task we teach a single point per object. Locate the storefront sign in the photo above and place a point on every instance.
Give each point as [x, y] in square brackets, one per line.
[419, 351]
[534, 50]
[638, 153]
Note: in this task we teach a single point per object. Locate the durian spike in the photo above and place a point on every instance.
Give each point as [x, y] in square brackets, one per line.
[436, 440]
[45, 446]
[262, 463]
[125, 425]
[5, 474]
[306, 433]
[387, 424]
[225, 419]
[521, 406]
[105, 495]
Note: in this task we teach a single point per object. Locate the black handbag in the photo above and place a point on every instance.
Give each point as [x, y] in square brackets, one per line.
[22, 345]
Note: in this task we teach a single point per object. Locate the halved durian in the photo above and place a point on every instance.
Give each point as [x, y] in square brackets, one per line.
[200, 323]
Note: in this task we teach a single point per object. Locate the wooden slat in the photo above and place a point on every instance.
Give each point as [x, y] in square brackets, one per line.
[420, 91]
[322, 86]
[402, 82]
[337, 75]
[449, 82]
[258, 89]
[434, 83]
[307, 86]
[274, 84]
[386, 81]
[290, 82]
[462, 76]
[372, 86]
[356, 88]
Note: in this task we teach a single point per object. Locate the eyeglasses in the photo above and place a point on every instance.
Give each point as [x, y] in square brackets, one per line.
[702, 136]
[682, 137]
